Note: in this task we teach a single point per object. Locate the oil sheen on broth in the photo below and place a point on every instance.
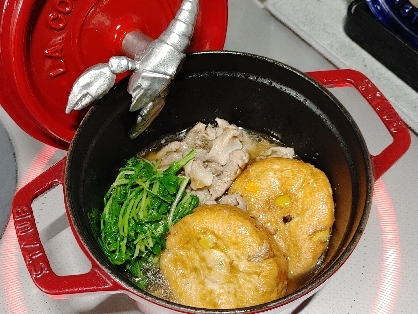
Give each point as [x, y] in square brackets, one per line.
[256, 145]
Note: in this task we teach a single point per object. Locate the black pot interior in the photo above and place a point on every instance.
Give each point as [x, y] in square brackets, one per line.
[249, 91]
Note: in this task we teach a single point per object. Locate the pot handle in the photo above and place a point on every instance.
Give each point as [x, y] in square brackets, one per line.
[33, 251]
[387, 114]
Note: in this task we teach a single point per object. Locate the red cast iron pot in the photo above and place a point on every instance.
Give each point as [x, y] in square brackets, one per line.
[249, 91]
[45, 45]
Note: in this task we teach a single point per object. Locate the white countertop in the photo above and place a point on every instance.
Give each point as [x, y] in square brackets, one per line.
[379, 277]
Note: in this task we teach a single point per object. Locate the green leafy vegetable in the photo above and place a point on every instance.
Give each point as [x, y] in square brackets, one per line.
[139, 209]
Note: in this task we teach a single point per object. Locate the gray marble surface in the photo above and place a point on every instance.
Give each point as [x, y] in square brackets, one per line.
[8, 176]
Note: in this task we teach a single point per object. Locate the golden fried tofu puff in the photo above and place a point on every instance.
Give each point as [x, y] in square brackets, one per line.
[293, 200]
[219, 258]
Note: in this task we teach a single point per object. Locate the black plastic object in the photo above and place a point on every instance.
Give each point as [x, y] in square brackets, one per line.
[400, 16]
[385, 46]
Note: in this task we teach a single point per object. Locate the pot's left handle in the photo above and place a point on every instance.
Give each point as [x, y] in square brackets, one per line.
[33, 251]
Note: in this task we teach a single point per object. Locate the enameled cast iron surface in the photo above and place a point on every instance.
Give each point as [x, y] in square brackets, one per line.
[249, 91]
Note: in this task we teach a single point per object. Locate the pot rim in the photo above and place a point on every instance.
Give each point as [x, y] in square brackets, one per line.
[308, 288]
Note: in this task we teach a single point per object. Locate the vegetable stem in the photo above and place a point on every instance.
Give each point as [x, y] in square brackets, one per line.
[140, 207]
[177, 200]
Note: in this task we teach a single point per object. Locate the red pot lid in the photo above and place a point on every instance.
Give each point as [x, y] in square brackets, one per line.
[46, 44]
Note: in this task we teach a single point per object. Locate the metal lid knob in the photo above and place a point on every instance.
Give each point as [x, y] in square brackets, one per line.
[153, 69]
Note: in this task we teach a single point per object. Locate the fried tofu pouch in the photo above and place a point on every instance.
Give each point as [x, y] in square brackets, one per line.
[218, 258]
[293, 200]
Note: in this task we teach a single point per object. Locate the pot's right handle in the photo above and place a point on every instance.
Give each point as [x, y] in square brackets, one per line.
[33, 251]
[390, 118]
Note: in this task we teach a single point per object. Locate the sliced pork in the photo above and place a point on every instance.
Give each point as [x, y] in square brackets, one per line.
[222, 153]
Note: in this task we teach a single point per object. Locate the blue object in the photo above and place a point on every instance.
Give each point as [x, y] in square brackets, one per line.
[400, 16]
